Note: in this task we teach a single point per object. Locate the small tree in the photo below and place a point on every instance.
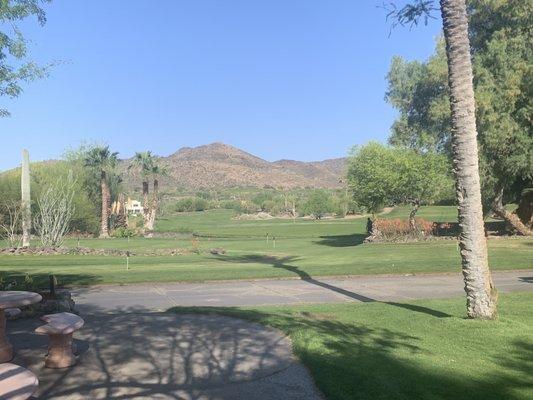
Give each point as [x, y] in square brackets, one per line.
[318, 204]
[379, 175]
[25, 199]
[56, 208]
[10, 222]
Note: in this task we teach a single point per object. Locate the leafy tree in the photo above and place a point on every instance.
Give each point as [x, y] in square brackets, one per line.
[102, 160]
[318, 204]
[15, 64]
[380, 175]
[86, 216]
[502, 57]
[264, 201]
[479, 288]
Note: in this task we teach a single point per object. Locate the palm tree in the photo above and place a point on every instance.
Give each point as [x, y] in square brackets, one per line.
[156, 171]
[103, 160]
[480, 291]
[146, 164]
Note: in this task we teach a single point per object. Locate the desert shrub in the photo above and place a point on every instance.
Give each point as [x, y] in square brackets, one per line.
[318, 204]
[191, 204]
[241, 207]
[122, 232]
[393, 229]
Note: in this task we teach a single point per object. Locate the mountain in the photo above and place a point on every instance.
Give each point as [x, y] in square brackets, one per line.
[219, 165]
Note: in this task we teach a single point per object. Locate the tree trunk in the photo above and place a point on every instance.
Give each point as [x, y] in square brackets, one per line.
[26, 199]
[146, 206]
[412, 214]
[104, 231]
[525, 208]
[510, 218]
[480, 291]
[150, 219]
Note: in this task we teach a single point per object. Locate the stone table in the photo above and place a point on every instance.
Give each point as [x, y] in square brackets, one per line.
[17, 383]
[10, 299]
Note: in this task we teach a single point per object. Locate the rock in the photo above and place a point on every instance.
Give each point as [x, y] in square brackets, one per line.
[218, 251]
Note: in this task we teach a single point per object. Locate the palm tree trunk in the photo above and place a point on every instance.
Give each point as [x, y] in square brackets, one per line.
[480, 291]
[146, 206]
[150, 223]
[104, 232]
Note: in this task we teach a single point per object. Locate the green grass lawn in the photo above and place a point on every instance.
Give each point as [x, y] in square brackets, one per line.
[316, 248]
[418, 350]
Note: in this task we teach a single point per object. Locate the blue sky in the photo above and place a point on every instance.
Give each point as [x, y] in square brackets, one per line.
[299, 79]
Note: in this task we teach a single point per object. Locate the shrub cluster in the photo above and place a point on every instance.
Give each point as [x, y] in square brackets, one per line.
[393, 229]
[191, 204]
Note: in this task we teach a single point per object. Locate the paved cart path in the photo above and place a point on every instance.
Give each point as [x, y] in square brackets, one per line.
[160, 296]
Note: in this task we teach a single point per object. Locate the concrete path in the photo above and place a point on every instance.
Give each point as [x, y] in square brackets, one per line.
[158, 297]
[164, 356]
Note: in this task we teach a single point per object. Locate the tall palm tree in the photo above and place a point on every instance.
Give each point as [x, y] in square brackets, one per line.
[146, 164]
[156, 171]
[480, 291]
[103, 160]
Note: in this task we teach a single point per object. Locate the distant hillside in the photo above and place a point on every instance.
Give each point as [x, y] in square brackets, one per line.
[218, 165]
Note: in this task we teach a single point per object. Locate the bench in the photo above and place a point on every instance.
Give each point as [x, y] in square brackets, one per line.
[60, 328]
[17, 383]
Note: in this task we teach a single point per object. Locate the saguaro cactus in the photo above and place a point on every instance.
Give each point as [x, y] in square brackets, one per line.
[26, 202]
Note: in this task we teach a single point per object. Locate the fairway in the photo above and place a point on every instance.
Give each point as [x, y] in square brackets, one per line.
[292, 249]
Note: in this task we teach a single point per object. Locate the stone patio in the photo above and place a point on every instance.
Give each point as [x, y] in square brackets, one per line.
[165, 356]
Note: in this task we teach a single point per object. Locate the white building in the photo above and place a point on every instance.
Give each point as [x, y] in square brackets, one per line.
[134, 207]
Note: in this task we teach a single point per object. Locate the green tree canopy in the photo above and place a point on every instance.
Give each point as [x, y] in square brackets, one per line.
[501, 38]
[15, 65]
[381, 175]
[318, 204]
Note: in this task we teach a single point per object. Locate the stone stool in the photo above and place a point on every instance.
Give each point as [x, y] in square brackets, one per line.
[60, 328]
[12, 313]
[17, 383]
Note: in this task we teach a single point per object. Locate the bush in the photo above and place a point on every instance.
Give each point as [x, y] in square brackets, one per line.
[189, 204]
[123, 233]
[392, 229]
[318, 204]
[240, 207]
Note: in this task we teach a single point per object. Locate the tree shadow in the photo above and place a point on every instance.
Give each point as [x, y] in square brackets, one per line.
[421, 309]
[341, 240]
[283, 263]
[18, 279]
[356, 361]
[140, 354]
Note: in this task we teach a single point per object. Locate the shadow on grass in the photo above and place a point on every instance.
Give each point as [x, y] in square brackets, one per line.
[355, 361]
[341, 240]
[41, 280]
[283, 263]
